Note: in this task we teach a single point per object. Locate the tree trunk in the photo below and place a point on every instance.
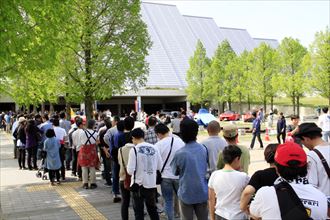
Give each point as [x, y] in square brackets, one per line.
[240, 103]
[229, 104]
[68, 110]
[265, 102]
[51, 108]
[34, 109]
[89, 107]
[294, 104]
[272, 103]
[223, 107]
[42, 107]
[298, 105]
[249, 102]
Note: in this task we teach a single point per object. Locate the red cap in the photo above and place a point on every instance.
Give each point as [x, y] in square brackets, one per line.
[290, 151]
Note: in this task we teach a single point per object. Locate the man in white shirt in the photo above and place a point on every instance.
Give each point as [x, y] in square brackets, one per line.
[291, 165]
[168, 146]
[75, 133]
[61, 135]
[143, 162]
[175, 124]
[310, 136]
[324, 123]
[214, 144]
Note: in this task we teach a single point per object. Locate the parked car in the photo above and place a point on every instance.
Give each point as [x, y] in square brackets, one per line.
[247, 117]
[229, 116]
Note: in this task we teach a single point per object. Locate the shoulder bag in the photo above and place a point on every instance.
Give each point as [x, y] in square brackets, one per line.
[159, 173]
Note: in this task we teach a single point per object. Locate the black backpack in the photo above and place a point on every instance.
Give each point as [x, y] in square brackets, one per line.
[290, 205]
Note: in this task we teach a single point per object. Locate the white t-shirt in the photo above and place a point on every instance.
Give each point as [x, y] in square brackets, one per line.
[60, 134]
[317, 175]
[324, 122]
[164, 147]
[148, 161]
[265, 203]
[214, 145]
[79, 137]
[228, 187]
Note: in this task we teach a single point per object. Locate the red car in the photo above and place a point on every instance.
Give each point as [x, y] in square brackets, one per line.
[247, 117]
[229, 116]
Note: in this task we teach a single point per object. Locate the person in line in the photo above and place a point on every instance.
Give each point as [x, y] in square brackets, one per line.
[230, 133]
[175, 124]
[190, 164]
[31, 132]
[214, 144]
[256, 129]
[324, 123]
[15, 125]
[168, 145]
[271, 203]
[87, 156]
[53, 161]
[73, 141]
[60, 135]
[281, 128]
[105, 153]
[311, 137]
[226, 186]
[143, 162]
[260, 178]
[118, 142]
[66, 125]
[21, 140]
[150, 136]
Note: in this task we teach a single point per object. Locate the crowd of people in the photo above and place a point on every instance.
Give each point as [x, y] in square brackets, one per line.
[208, 180]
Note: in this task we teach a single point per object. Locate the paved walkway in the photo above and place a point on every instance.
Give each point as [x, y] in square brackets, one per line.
[24, 196]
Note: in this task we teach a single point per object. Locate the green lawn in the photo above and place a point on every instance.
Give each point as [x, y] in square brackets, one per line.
[306, 101]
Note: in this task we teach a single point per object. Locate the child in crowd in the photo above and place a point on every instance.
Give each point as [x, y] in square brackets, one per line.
[53, 161]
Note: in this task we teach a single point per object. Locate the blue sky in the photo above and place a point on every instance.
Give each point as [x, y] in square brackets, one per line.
[264, 19]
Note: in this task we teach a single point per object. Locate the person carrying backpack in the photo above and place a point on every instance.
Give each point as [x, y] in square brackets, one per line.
[291, 197]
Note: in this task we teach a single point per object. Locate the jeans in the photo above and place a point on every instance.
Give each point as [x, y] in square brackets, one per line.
[283, 137]
[32, 157]
[115, 177]
[168, 187]
[147, 196]
[326, 136]
[187, 211]
[125, 199]
[106, 173]
[256, 134]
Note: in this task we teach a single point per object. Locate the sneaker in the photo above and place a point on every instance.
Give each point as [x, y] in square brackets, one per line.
[107, 185]
[73, 174]
[85, 186]
[116, 198]
[93, 186]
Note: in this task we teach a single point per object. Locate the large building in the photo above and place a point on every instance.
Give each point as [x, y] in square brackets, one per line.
[174, 37]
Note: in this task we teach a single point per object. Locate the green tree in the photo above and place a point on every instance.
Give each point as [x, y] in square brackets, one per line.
[108, 43]
[264, 69]
[293, 79]
[217, 76]
[198, 68]
[29, 37]
[320, 58]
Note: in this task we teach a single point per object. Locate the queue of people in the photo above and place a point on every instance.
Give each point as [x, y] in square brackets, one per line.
[208, 179]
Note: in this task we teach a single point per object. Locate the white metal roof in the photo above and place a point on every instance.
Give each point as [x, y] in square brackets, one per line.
[271, 42]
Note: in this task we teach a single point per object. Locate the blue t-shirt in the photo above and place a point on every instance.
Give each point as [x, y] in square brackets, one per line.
[256, 125]
[190, 163]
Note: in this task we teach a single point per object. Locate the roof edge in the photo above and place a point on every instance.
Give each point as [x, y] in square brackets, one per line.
[259, 38]
[155, 3]
[233, 28]
[195, 16]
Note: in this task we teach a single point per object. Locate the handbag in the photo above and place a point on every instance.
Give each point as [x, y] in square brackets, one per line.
[127, 181]
[159, 173]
